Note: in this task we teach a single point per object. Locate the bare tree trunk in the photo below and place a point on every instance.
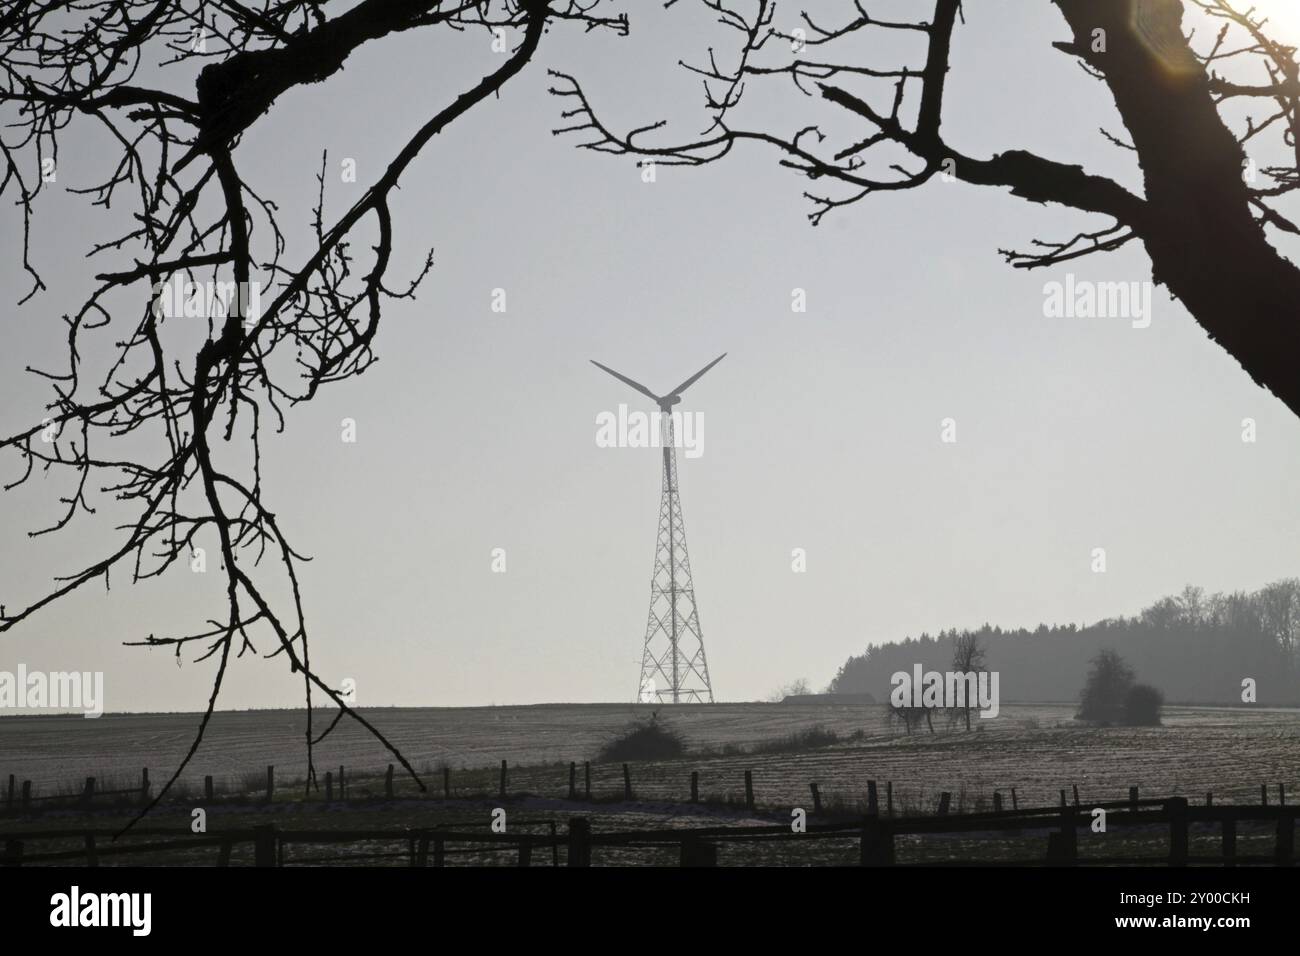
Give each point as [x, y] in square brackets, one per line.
[1199, 225]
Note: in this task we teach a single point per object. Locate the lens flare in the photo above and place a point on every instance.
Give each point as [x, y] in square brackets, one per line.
[1158, 24]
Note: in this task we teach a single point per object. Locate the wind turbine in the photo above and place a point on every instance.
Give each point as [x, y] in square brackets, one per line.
[674, 643]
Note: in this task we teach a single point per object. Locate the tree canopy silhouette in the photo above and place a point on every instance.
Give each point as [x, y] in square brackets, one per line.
[1196, 648]
[170, 427]
[1210, 233]
[1104, 695]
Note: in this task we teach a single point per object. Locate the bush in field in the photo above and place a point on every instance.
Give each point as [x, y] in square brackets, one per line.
[1113, 695]
[644, 740]
[810, 738]
[1142, 706]
[1103, 696]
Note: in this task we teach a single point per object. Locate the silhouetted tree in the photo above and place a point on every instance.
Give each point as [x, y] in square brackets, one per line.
[967, 658]
[1192, 601]
[1165, 613]
[1206, 225]
[141, 408]
[1103, 697]
[910, 717]
[1197, 663]
[1279, 606]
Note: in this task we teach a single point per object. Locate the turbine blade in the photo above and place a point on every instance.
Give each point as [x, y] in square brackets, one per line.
[623, 378]
[696, 377]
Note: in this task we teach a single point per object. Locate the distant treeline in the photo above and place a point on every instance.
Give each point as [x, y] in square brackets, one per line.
[1194, 648]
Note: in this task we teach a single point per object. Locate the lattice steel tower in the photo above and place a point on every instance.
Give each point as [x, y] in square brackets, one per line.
[673, 653]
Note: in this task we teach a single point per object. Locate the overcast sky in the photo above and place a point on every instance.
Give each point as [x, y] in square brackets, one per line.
[822, 430]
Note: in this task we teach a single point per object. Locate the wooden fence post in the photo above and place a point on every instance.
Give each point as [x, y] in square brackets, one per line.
[223, 857]
[1285, 849]
[92, 857]
[695, 786]
[1076, 795]
[627, 783]
[1281, 795]
[1229, 841]
[144, 785]
[343, 784]
[329, 786]
[88, 794]
[1209, 798]
[749, 789]
[1062, 844]
[873, 801]
[13, 855]
[698, 852]
[889, 797]
[439, 850]
[27, 796]
[388, 782]
[525, 850]
[503, 780]
[9, 798]
[945, 799]
[997, 802]
[586, 767]
[877, 843]
[1055, 852]
[555, 846]
[1176, 809]
[573, 780]
[579, 841]
[1063, 803]
[264, 841]
[817, 798]
[207, 787]
[422, 849]
[270, 783]
[1263, 794]
[1015, 804]
[1133, 797]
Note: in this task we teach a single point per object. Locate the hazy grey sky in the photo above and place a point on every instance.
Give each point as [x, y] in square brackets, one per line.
[476, 430]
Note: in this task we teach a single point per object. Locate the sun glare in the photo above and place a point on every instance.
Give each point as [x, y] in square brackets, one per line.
[1283, 18]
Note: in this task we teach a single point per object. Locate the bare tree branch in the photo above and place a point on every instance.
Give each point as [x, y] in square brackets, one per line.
[197, 215]
[1203, 226]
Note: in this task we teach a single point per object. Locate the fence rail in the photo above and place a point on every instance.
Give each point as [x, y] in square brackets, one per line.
[875, 832]
[24, 800]
[875, 836]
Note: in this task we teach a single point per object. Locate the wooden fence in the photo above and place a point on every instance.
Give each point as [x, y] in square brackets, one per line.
[271, 846]
[25, 801]
[875, 832]
[875, 836]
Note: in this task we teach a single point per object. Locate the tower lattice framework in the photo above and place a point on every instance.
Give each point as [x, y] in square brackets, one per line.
[673, 666]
